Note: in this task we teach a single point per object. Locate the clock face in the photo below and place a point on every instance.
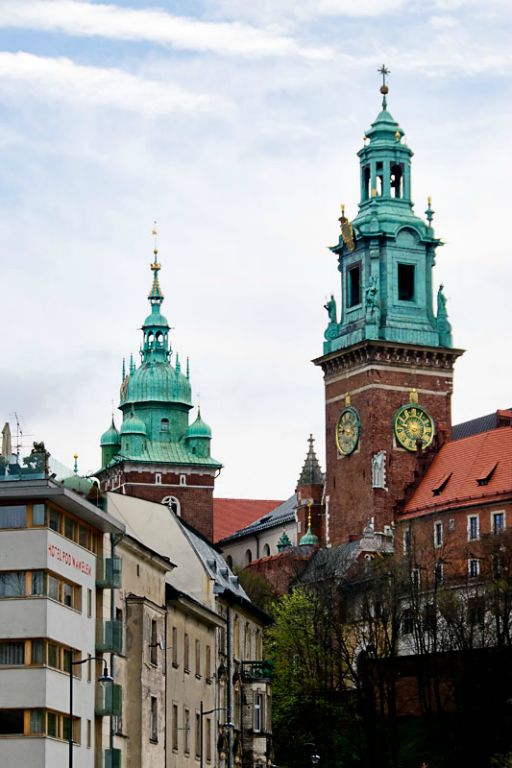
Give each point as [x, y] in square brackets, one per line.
[347, 431]
[413, 423]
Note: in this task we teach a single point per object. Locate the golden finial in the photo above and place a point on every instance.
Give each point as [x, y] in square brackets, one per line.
[397, 135]
[347, 398]
[429, 201]
[342, 207]
[413, 395]
[155, 266]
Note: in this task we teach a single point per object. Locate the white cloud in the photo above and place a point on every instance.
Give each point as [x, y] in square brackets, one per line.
[73, 17]
[63, 80]
[443, 22]
[282, 11]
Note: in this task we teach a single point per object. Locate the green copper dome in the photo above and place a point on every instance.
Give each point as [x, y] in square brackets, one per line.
[133, 426]
[111, 436]
[156, 381]
[199, 428]
[309, 539]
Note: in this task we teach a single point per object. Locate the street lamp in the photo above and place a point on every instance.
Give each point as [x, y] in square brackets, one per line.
[105, 678]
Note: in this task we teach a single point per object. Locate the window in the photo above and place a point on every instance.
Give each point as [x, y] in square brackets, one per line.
[229, 561]
[36, 722]
[89, 603]
[198, 658]
[258, 712]
[366, 182]
[379, 179]
[438, 534]
[406, 282]
[208, 740]
[174, 648]
[164, 425]
[266, 551]
[55, 520]
[153, 723]
[498, 522]
[407, 541]
[473, 527]
[473, 567]
[183, 479]
[14, 516]
[354, 286]
[429, 617]
[397, 179]
[158, 479]
[153, 646]
[439, 573]
[407, 625]
[248, 557]
[38, 514]
[186, 653]
[173, 504]
[175, 727]
[186, 730]
[88, 735]
[415, 578]
[12, 652]
[12, 583]
[198, 735]
[208, 664]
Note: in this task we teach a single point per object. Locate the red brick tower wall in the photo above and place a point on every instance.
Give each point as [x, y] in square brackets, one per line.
[378, 376]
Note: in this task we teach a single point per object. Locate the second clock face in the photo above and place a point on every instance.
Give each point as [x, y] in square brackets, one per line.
[347, 431]
[413, 423]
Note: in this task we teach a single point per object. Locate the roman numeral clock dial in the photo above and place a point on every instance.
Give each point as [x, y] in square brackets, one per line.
[347, 431]
[412, 423]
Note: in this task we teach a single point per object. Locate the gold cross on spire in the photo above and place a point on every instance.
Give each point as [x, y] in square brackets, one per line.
[384, 87]
[155, 265]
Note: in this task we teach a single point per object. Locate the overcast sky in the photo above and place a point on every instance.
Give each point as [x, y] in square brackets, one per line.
[235, 124]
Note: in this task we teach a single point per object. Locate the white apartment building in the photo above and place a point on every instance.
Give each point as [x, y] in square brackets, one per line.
[51, 561]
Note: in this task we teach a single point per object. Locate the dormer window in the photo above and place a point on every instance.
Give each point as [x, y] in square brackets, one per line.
[164, 425]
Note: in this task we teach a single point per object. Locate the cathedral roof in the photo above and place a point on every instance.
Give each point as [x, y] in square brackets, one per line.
[231, 515]
[481, 424]
[284, 513]
[465, 473]
[156, 452]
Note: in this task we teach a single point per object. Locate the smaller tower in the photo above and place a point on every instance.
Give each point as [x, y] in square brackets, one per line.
[310, 487]
[198, 437]
[110, 444]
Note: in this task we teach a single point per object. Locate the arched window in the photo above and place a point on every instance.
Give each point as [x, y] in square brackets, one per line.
[164, 425]
[150, 338]
[173, 504]
[183, 479]
[247, 642]
[248, 557]
[158, 479]
[266, 551]
[229, 562]
[159, 338]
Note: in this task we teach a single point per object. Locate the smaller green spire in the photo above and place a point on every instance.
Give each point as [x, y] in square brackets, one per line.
[123, 371]
[384, 89]
[311, 473]
[188, 367]
[284, 542]
[178, 364]
[132, 364]
[75, 467]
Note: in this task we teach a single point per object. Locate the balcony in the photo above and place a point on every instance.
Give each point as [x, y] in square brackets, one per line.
[109, 700]
[108, 574]
[109, 637]
[257, 670]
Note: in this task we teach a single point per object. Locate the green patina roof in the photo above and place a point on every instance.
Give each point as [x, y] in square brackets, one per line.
[309, 539]
[155, 400]
[199, 428]
[159, 452]
[111, 436]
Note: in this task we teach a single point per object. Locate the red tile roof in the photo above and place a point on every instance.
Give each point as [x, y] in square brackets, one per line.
[230, 515]
[462, 473]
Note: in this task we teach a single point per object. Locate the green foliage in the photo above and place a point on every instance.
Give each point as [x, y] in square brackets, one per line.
[259, 590]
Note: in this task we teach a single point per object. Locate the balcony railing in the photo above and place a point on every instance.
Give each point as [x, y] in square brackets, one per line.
[108, 575]
[257, 670]
[109, 636]
[109, 700]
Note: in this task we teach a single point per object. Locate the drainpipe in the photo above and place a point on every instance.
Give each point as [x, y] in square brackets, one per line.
[112, 655]
[229, 698]
[165, 684]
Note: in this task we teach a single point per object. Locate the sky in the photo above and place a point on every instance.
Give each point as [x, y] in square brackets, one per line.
[235, 126]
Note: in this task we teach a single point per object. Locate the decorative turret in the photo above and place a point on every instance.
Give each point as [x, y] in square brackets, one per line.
[133, 435]
[310, 489]
[198, 437]
[80, 485]
[284, 542]
[311, 473]
[110, 444]
[386, 254]
[309, 539]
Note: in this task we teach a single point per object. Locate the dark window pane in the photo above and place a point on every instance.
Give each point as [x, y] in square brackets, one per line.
[37, 656]
[38, 582]
[55, 520]
[406, 282]
[69, 528]
[354, 287]
[11, 721]
[12, 583]
[37, 721]
[52, 724]
[53, 656]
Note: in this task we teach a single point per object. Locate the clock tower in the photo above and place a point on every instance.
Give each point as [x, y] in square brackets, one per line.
[388, 356]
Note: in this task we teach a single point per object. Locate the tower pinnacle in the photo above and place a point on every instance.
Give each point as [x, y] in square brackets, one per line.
[384, 89]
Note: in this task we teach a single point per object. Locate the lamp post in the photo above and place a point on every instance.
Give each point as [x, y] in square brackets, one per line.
[105, 678]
